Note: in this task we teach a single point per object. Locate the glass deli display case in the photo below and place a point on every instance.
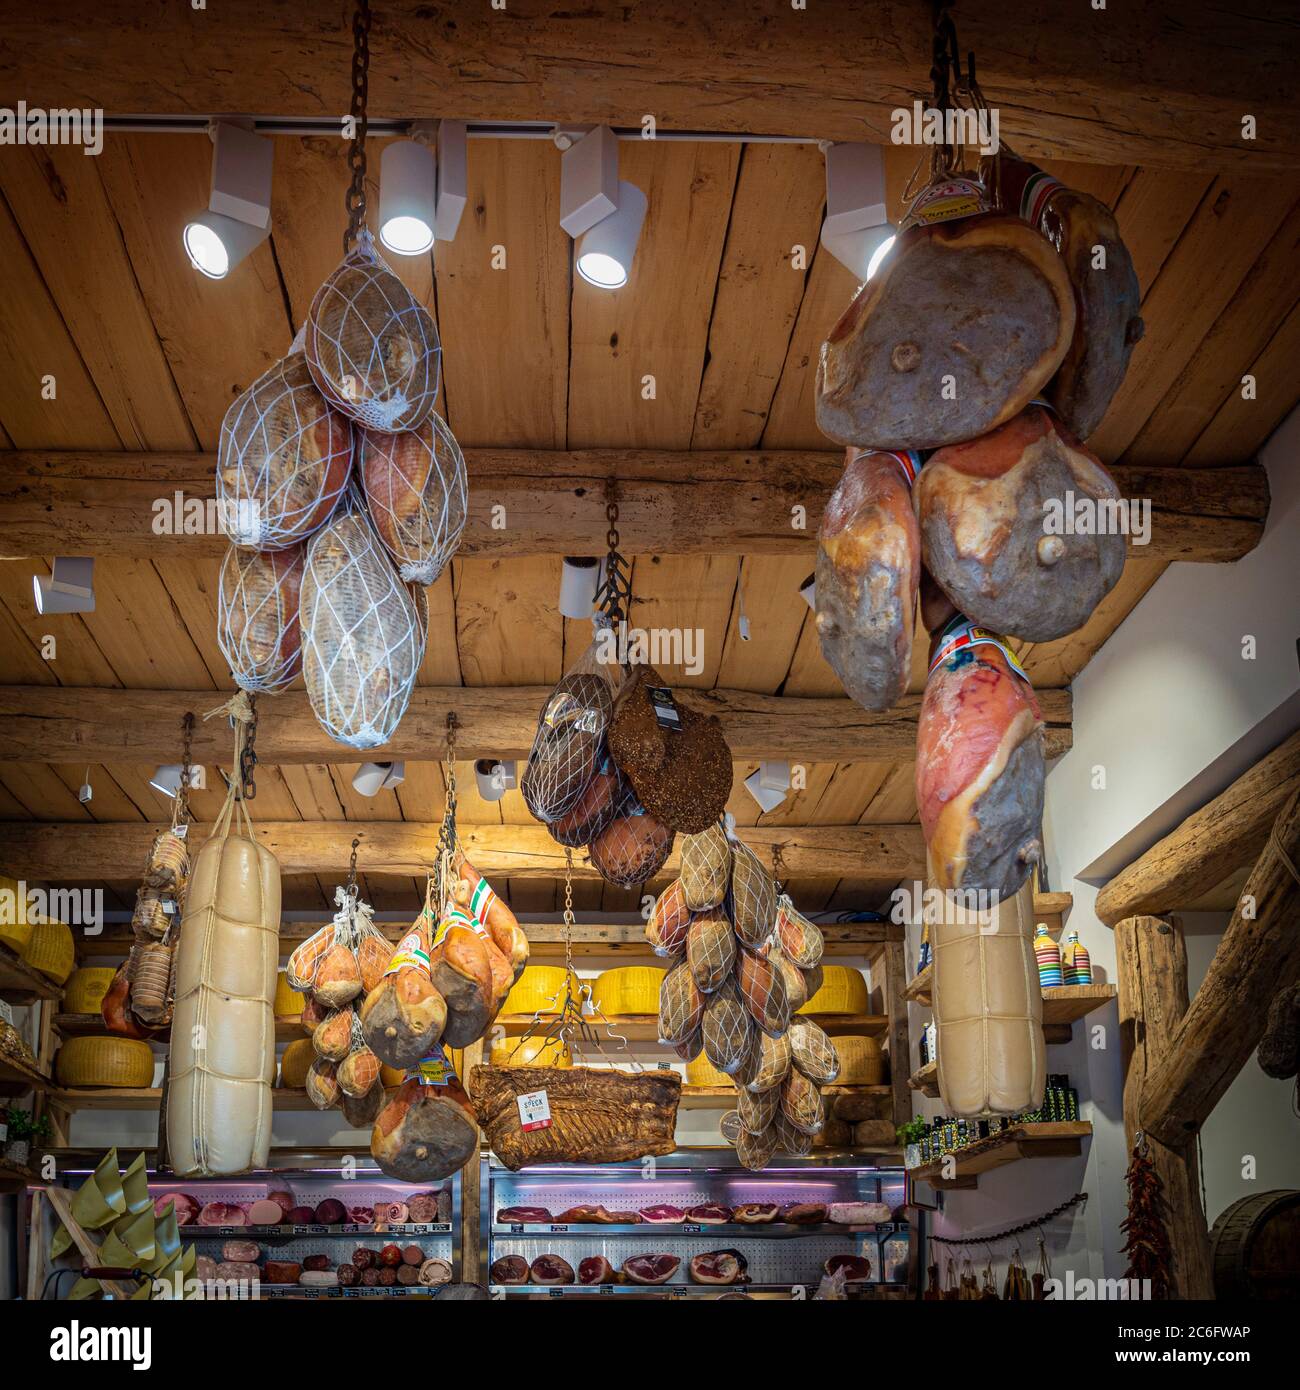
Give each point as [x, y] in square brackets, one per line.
[775, 1259]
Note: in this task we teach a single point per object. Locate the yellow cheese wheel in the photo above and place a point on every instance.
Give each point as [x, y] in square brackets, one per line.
[702, 1072]
[530, 1052]
[843, 991]
[123, 1062]
[632, 989]
[294, 1062]
[49, 950]
[15, 926]
[288, 1002]
[861, 1061]
[86, 988]
[539, 989]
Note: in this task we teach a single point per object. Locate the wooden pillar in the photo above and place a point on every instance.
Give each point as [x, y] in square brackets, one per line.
[900, 1051]
[1258, 955]
[1151, 961]
[471, 1197]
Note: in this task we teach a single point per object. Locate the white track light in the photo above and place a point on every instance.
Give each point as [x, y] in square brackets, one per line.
[856, 226]
[70, 587]
[808, 591]
[589, 185]
[167, 778]
[372, 778]
[769, 785]
[605, 252]
[579, 580]
[238, 215]
[495, 777]
[453, 179]
[407, 196]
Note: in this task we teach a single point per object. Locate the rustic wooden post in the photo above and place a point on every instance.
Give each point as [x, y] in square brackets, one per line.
[1151, 960]
[900, 1051]
[471, 1196]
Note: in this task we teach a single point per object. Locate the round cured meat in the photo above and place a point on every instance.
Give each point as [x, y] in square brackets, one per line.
[567, 745]
[650, 1269]
[594, 809]
[632, 848]
[715, 1267]
[596, 1269]
[666, 931]
[258, 627]
[550, 1269]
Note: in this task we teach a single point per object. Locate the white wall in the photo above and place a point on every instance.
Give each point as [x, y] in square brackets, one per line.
[1170, 713]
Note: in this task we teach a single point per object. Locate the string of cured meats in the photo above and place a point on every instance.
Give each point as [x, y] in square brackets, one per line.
[744, 962]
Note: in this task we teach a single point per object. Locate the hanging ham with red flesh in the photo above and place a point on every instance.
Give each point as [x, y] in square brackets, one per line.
[979, 770]
[868, 568]
[992, 515]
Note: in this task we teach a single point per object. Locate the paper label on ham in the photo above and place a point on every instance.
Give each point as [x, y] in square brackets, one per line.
[944, 201]
[962, 633]
[434, 1070]
[458, 917]
[534, 1111]
[410, 952]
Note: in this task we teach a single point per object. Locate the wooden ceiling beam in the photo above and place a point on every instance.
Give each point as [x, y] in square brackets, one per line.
[72, 724]
[81, 853]
[1210, 845]
[552, 502]
[1163, 83]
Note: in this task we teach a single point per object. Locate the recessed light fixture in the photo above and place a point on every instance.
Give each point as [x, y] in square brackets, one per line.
[70, 587]
[856, 230]
[372, 778]
[495, 777]
[238, 215]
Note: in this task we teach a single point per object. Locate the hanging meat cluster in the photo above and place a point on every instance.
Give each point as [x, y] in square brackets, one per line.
[343, 494]
[619, 766]
[745, 961]
[442, 988]
[961, 377]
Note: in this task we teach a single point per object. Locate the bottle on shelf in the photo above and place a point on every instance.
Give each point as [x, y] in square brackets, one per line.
[1048, 955]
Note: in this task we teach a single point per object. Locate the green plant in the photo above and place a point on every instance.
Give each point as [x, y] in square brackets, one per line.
[913, 1131]
[19, 1123]
[41, 1130]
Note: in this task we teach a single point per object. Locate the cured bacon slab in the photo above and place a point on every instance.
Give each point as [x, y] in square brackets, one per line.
[979, 768]
[1000, 527]
[507, 1216]
[964, 323]
[868, 570]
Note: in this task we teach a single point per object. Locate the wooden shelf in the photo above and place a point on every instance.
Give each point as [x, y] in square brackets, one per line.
[20, 984]
[926, 1080]
[1061, 1139]
[645, 1027]
[1063, 1005]
[13, 1178]
[150, 1098]
[17, 1076]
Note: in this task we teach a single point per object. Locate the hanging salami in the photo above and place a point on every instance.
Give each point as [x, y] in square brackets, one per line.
[283, 459]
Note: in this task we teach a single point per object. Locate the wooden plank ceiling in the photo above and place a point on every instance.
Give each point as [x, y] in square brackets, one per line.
[146, 355]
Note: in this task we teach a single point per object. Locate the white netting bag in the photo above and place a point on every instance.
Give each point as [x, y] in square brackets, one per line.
[417, 492]
[801, 940]
[753, 896]
[755, 1151]
[283, 459]
[728, 1029]
[363, 639]
[801, 1103]
[813, 1052]
[711, 950]
[257, 616]
[681, 1007]
[706, 868]
[632, 848]
[757, 1109]
[372, 347]
[569, 744]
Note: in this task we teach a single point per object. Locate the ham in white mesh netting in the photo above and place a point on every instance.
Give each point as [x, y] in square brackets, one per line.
[416, 490]
[372, 347]
[283, 459]
[363, 636]
[257, 616]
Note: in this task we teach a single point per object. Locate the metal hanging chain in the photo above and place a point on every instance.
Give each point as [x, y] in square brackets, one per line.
[248, 755]
[351, 885]
[614, 596]
[181, 805]
[356, 196]
[448, 841]
[1012, 1231]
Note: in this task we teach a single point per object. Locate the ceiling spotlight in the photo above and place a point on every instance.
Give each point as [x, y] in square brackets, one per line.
[588, 180]
[453, 179]
[86, 792]
[579, 580]
[856, 228]
[769, 785]
[238, 216]
[372, 778]
[495, 778]
[605, 252]
[167, 778]
[70, 587]
[407, 197]
[808, 591]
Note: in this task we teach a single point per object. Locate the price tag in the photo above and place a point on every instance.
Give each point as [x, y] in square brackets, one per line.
[665, 707]
[318, 1230]
[517, 1227]
[225, 1231]
[555, 1293]
[180, 831]
[606, 1288]
[6, 1012]
[679, 1293]
[663, 1066]
[350, 1228]
[559, 1228]
[420, 1228]
[691, 1230]
[301, 1230]
[534, 1111]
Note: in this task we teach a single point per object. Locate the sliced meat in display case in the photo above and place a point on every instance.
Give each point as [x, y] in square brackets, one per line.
[685, 1228]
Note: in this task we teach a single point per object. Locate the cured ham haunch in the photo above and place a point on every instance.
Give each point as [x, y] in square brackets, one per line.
[868, 570]
[550, 1269]
[650, 1269]
[1001, 533]
[525, 1216]
[715, 1267]
[979, 766]
[596, 1269]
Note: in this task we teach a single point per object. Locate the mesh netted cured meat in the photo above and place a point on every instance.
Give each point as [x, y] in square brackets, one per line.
[362, 632]
[753, 896]
[1001, 530]
[258, 629]
[570, 738]
[681, 1005]
[868, 572]
[965, 322]
[1108, 325]
[979, 767]
[670, 918]
[813, 1053]
[728, 1028]
[710, 950]
[762, 986]
[416, 489]
[633, 847]
[283, 459]
[801, 940]
[706, 868]
[372, 349]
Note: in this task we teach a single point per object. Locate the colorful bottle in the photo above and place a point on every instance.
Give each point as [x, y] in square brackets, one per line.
[1076, 964]
[1048, 955]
